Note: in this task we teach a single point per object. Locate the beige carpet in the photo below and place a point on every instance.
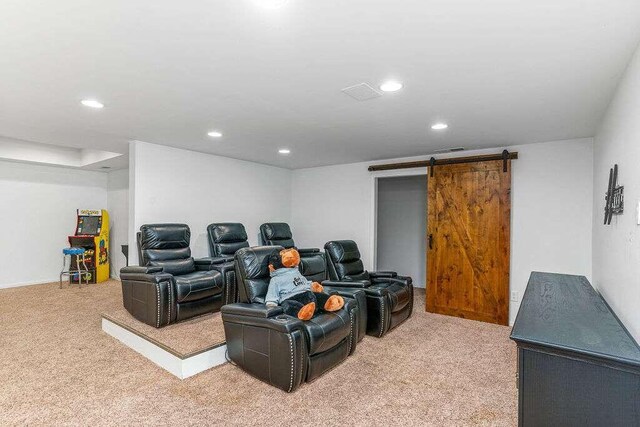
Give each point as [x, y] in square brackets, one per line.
[59, 368]
[183, 338]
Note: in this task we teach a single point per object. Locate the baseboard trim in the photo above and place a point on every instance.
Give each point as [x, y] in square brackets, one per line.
[30, 283]
[182, 366]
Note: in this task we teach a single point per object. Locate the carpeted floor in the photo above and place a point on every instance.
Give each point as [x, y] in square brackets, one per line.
[59, 368]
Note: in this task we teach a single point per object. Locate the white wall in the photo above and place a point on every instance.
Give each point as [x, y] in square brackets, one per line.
[38, 211]
[118, 206]
[402, 226]
[552, 195]
[616, 247]
[174, 185]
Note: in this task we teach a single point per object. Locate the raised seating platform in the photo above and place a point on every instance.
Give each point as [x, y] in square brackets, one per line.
[184, 349]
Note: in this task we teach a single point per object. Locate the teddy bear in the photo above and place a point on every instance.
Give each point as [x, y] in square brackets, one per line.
[289, 289]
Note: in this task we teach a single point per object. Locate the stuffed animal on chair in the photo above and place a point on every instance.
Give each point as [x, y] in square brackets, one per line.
[289, 289]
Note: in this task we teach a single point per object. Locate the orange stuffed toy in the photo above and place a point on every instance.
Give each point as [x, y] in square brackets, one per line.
[289, 289]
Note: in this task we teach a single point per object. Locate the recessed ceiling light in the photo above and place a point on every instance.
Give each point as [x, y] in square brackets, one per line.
[284, 151]
[390, 86]
[92, 103]
[214, 134]
[439, 126]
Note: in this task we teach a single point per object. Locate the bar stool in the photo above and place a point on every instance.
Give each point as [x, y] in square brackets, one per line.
[81, 268]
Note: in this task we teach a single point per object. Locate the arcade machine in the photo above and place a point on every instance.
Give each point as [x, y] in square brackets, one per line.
[92, 234]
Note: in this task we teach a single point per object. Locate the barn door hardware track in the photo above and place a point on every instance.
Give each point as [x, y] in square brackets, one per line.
[504, 156]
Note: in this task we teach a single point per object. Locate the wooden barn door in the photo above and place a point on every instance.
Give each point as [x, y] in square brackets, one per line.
[468, 227]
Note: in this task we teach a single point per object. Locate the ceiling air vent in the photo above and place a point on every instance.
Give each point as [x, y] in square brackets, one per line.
[362, 92]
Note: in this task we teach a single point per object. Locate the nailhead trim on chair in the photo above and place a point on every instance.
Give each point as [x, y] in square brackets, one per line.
[228, 278]
[158, 299]
[301, 365]
[226, 291]
[381, 319]
[169, 314]
[351, 328]
[291, 376]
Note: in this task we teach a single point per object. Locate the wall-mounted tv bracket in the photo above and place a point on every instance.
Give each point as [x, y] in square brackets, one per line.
[614, 199]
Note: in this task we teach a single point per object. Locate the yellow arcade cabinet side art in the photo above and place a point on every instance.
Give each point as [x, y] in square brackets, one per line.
[92, 234]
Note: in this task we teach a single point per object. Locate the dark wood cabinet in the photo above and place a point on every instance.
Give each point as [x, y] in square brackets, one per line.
[577, 364]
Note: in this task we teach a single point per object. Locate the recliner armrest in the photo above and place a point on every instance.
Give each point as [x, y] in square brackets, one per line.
[252, 310]
[358, 295]
[345, 292]
[144, 274]
[305, 251]
[148, 294]
[140, 269]
[260, 316]
[376, 274]
[280, 339]
[210, 262]
[398, 279]
[407, 279]
[226, 267]
[360, 284]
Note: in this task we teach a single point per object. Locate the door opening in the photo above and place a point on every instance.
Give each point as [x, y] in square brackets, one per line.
[401, 226]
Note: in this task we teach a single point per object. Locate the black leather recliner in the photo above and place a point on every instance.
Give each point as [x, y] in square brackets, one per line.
[313, 265]
[225, 239]
[389, 296]
[169, 285]
[312, 260]
[276, 348]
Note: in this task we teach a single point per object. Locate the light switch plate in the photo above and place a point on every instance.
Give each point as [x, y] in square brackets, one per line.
[514, 296]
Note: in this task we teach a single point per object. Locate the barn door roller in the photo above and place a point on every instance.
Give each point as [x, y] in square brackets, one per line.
[505, 157]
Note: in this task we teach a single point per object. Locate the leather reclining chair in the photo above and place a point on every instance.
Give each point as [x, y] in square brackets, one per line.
[169, 285]
[312, 262]
[224, 241]
[389, 296]
[276, 348]
[313, 266]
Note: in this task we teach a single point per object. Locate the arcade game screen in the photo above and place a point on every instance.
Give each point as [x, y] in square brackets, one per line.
[89, 225]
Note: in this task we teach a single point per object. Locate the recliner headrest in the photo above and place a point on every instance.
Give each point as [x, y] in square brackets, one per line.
[254, 262]
[342, 250]
[276, 231]
[229, 232]
[252, 272]
[164, 236]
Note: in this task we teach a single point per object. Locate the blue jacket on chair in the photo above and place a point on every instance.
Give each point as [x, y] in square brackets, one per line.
[284, 283]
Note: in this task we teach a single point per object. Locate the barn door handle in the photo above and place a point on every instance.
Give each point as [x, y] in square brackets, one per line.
[430, 241]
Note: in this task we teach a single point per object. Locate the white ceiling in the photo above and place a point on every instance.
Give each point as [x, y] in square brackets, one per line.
[500, 72]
